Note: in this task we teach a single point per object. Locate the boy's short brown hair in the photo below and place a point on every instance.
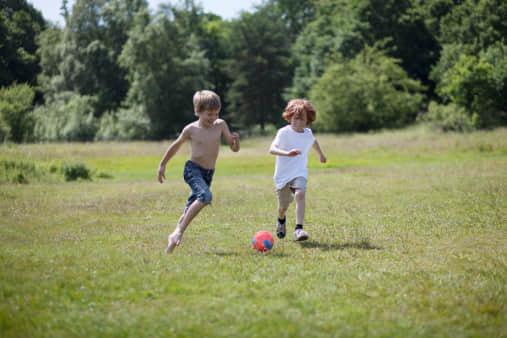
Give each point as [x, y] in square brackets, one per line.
[206, 100]
[298, 107]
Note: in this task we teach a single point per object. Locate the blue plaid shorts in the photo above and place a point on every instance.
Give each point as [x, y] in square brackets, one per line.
[199, 180]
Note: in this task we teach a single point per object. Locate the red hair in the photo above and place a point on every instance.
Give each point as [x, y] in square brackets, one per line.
[297, 107]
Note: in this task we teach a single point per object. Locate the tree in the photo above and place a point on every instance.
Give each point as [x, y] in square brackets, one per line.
[165, 65]
[344, 27]
[20, 23]
[403, 28]
[334, 30]
[88, 52]
[259, 67]
[295, 14]
[368, 92]
[15, 106]
[479, 85]
[471, 73]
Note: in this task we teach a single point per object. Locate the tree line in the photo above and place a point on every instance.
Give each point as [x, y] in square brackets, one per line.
[118, 71]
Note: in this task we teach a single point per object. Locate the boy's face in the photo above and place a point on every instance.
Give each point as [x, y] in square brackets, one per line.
[207, 117]
[298, 121]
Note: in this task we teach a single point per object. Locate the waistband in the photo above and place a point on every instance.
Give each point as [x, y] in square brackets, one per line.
[195, 165]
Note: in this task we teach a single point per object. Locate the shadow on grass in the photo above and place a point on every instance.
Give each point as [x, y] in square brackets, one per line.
[273, 253]
[363, 244]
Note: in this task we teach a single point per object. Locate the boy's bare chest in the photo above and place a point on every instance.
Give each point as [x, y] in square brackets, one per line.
[206, 137]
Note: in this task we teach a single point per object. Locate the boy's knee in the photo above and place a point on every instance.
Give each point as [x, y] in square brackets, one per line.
[300, 194]
[206, 197]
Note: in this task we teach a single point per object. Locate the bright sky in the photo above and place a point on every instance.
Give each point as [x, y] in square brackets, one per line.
[227, 9]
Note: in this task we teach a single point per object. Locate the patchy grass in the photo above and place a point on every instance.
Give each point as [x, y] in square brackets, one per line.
[408, 237]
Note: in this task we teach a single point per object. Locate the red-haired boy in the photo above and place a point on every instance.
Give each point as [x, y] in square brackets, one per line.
[291, 146]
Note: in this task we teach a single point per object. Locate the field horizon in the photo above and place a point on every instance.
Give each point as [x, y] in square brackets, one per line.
[408, 237]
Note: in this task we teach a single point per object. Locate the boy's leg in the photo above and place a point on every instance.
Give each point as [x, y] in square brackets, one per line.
[282, 211]
[185, 219]
[299, 233]
[284, 198]
[300, 206]
[199, 181]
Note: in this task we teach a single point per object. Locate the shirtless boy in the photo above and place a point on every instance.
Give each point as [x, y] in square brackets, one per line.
[204, 135]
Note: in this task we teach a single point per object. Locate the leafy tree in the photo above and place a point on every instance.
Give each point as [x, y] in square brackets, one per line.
[295, 14]
[368, 92]
[51, 57]
[469, 28]
[165, 65]
[68, 117]
[479, 23]
[344, 26]
[20, 23]
[400, 24]
[125, 124]
[334, 30]
[213, 40]
[259, 67]
[471, 71]
[479, 84]
[87, 54]
[15, 107]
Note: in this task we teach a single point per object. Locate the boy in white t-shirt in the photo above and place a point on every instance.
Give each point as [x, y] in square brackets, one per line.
[291, 145]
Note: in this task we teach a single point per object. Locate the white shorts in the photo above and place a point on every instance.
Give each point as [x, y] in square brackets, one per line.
[286, 194]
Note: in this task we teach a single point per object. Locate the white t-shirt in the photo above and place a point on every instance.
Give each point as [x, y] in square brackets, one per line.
[289, 167]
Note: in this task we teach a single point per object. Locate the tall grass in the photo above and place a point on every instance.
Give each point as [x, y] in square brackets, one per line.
[408, 237]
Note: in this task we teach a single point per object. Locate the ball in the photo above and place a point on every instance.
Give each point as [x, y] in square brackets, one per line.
[263, 241]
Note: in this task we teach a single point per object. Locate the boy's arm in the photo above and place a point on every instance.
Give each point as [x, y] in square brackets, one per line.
[232, 139]
[274, 150]
[322, 157]
[171, 151]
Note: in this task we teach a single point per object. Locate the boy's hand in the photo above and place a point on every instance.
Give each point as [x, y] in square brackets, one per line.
[234, 142]
[235, 139]
[323, 158]
[161, 173]
[294, 152]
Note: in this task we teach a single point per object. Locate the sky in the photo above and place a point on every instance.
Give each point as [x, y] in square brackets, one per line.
[227, 9]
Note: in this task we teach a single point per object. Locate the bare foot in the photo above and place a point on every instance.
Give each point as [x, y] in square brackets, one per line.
[173, 240]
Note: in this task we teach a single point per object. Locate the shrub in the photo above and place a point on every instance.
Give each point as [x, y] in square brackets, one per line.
[126, 124]
[13, 171]
[4, 129]
[369, 92]
[478, 84]
[16, 122]
[450, 117]
[76, 171]
[68, 118]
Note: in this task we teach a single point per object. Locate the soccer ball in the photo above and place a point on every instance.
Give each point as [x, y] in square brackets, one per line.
[263, 241]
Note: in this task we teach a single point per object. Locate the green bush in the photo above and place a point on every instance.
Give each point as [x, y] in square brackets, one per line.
[13, 171]
[478, 84]
[4, 129]
[450, 117]
[124, 125]
[16, 122]
[68, 118]
[369, 92]
[75, 171]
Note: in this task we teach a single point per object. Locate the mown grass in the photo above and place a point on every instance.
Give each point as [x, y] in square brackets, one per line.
[408, 237]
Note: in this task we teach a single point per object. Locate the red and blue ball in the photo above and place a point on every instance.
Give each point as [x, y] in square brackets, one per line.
[263, 241]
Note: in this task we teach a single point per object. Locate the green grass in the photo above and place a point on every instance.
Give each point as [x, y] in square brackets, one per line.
[408, 237]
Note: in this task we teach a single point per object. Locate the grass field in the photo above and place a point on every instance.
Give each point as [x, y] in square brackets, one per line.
[408, 238]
